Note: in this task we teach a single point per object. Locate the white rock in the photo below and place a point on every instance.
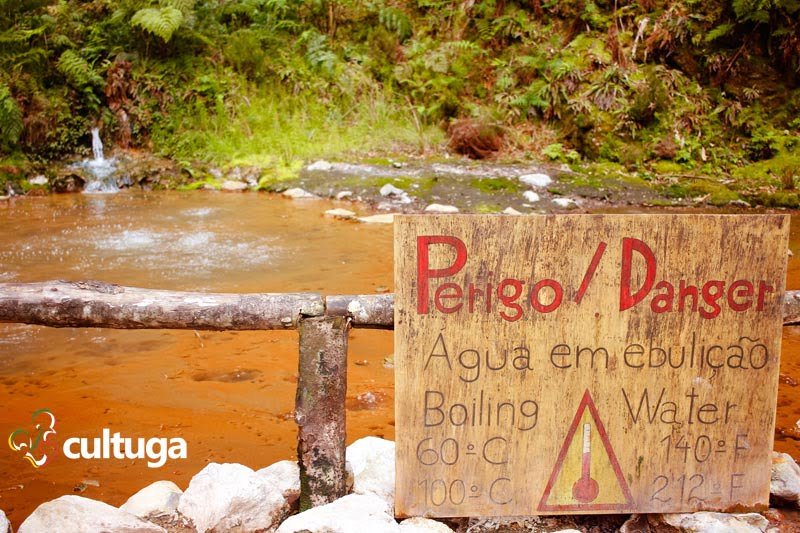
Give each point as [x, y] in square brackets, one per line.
[77, 514]
[536, 180]
[439, 208]
[372, 459]
[423, 525]
[233, 186]
[702, 522]
[158, 499]
[564, 202]
[531, 196]
[387, 218]
[222, 497]
[706, 522]
[785, 481]
[344, 194]
[391, 190]
[296, 193]
[320, 165]
[340, 213]
[5, 525]
[284, 476]
[37, 180]
[355, 513]
[511, 211]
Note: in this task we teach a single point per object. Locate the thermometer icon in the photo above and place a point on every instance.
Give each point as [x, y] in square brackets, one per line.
[586, 489]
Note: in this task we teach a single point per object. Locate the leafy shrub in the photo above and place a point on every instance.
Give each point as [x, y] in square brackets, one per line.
[10, 119]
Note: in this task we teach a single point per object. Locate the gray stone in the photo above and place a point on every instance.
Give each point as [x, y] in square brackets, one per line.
[390, 190]
[565, 202]
[233, 186]
[224, 497]
[387, 218]
[536, 180]
[5, 525]
[343, 194]
[785, 479]
[440, 208]
[511, 211]
[77, 514]
[157, 499]
[38, 180]
[320, 165]
[284, 476]
[372, 460]
[702, 522]
[355, 513]
[531, 196]
[297, 193]
[423, 525]
[340, 213]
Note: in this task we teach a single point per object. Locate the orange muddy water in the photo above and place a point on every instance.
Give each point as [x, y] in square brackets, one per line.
[230, 395]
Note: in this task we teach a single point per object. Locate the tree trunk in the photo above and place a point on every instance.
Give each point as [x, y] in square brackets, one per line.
[320, 410]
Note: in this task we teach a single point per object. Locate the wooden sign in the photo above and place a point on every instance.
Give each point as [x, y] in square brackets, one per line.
[586, 363]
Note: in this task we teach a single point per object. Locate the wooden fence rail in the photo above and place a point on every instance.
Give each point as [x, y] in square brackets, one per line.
[95, 304]
[323, 323]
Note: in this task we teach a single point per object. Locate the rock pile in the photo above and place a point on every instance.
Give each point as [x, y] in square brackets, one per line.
[232, 497]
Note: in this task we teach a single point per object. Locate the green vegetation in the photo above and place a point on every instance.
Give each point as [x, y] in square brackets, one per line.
[495, 185]
[652, 87]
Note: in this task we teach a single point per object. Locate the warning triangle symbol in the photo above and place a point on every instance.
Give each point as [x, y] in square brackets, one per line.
[586, 476]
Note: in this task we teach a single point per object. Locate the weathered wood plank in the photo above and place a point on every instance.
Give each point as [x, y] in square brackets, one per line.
[365, 310]
[320, 410]
[587, 363]
[96, 304]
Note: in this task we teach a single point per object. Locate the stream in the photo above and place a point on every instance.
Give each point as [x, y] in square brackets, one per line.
[229, 394]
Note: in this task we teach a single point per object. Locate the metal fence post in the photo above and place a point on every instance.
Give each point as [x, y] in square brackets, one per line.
[320, 409]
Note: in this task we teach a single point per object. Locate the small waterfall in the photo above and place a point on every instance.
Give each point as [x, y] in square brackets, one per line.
[101, 169]
[97, 145]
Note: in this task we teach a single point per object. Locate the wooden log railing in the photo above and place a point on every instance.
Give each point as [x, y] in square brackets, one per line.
[323, 323]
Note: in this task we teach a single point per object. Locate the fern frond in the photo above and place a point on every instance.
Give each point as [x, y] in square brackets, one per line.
[62, 41]
[396, 20]
[161, 22]
[77, 70]
[462, 46]
[184, 6]
[10, 118]
[720, 31]
[18, 36]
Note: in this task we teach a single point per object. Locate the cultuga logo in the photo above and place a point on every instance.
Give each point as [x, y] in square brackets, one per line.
[33, 444]
[155, 450]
